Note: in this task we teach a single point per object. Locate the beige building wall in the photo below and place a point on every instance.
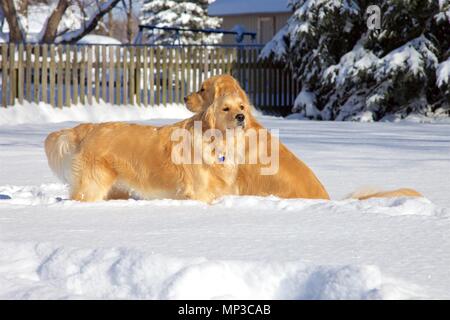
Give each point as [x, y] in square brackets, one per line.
[266, 25]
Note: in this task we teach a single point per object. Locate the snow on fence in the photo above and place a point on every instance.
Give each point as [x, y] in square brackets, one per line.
[64, 75]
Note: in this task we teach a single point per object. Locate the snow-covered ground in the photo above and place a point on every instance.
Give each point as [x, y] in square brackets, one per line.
[239, 247]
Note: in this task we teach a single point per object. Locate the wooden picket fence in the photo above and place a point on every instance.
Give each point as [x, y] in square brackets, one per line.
[65, 75]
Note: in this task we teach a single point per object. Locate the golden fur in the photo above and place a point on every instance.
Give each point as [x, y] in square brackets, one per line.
[117, 160]
[294, 179]
[402, 192]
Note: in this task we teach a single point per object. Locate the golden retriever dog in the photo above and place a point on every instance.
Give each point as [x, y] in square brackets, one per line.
[113, 160]
[294, 178]
[119, 160]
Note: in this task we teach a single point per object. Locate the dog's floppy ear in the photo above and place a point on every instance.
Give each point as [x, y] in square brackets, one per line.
[221, 90]
[208, 116]
[218, 90]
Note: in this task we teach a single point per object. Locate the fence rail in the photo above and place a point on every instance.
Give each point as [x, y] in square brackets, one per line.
[64, 75]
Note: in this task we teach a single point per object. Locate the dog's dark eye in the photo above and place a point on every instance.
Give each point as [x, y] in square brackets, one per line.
[242, 107]
[202, 89]
[226, 109]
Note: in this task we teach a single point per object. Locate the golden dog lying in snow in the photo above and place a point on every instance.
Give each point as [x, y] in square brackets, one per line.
[294, 179]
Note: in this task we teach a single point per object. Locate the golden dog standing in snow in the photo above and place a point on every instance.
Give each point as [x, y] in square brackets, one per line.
[116, 160]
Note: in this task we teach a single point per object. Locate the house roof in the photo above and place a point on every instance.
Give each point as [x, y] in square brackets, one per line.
[97, 39]
[236, 7]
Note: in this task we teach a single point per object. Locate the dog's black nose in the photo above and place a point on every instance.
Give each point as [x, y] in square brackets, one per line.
[185, 99]
[240, 117]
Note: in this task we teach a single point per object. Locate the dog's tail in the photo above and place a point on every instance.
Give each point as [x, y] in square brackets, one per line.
[369, 192]
[60, 147]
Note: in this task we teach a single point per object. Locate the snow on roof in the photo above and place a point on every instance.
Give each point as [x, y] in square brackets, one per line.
[235, 7]
[96, 39]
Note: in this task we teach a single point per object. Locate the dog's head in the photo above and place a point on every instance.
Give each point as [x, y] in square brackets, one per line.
[213, 88]
[228, 112]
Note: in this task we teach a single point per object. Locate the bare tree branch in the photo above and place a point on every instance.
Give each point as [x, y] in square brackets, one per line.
[60, 33]
[104, 8]
[15, 31]
[83, 11]
[51, 26]
[2, 18]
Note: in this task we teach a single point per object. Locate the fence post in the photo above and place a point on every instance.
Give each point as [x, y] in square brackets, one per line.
[250, 67]
[36, 77]
[272, 84]
[207, 61]
[67, 76]
[183, 68]
[118, 75]
[12, 74]
[158, 76]
[52, 74]
[260, 83]
[218, 60]
[20, 82]
[104, 74]
[125, 75]
[283, 87]
[28, 73]
[89, 76]
[223, 60]
[152, 77]
[83, 76]
[237, 65]
[4, 74]
[44, 73]
[132, 75]
[232, 63]
[111, 75]
[279, 80]
[145, 76]
[194, 69]
[97, 72]
[164, 76]
[75, 84]
[138, 76]
[60, 77]
[253, 75]
[177, 75]
[170, 76]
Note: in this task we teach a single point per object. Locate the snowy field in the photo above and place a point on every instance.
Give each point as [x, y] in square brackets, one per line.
[239, 247]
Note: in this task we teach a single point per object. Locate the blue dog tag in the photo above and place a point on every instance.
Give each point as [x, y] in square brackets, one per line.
[222, 159]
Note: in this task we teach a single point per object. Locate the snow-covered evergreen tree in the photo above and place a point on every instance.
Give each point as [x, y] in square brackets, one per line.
[185, 14]
[349, 72]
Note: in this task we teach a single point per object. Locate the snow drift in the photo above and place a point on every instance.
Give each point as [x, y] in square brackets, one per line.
[69, 273]
[98, 112]
[238, 247]
[56, 194]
